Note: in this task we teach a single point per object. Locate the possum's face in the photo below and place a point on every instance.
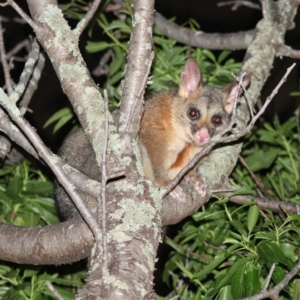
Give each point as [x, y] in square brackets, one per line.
[200, 111]
[201, 115]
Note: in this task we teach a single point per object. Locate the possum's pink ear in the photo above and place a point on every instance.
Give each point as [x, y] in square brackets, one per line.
[233, 91]
[190, 78]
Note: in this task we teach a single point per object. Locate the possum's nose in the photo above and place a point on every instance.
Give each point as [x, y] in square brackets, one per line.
[202, 135]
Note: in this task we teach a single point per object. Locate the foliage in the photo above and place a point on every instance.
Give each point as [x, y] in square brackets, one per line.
[26, 196]
[226, 251]
[26, 199]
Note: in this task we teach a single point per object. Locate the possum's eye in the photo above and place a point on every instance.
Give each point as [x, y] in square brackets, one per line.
[193, 113]
[217, 120]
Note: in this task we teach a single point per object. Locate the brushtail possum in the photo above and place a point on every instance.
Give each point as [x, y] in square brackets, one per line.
[175, 126]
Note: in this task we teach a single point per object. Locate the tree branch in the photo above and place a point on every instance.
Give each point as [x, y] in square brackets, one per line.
[8, 80]
[214, 41]
[139, 63]
[36, 245]
[238, 3]
[25, 17]
[86, 19]
[284, 50]
[265, 203]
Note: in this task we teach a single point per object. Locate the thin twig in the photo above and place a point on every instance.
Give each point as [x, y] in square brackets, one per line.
[89, 15]
[221, 139]
[273, 205]
[53, 290]
[24, 44]
[19, 10]
[33, 83]
[285, 50]
[269, 277]
[240, 80]
[8, 80]
[30, 64]
[253, 176]
[15, 134]
[237, 3]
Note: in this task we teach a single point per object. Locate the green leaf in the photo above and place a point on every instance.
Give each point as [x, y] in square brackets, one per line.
[187, 272]
[237, 285]
[118, 24]
[223, 56]
[207, 215]
[259, 160]
[210, 55]
[237, 224]
[251, 280]
[271, 253]
[209, 268]
[296, 289]
[38, 187]
[266, 236]
[15, 186]
[245, 191]
[228, 278]
[278, 274]
[225, 293]
[62, 113]
[64, 120]
[93, 47]
[292, 218]
[289, 251]
[253, 215]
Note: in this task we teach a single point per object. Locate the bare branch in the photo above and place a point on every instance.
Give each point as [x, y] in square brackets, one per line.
[253, 176]
[8, 80]
[5, 125]
[30, 245]
[138, 66]
[30, 64]
[264, 9]
[102, 68]
[14, 134]
[238, 3]
[24, 44]
[285, 50]
[89, 15]
[269, 277]
[141, 91]
[265, 203]
[22, 14]
[33, 83]
[53, 290]
[215, 41]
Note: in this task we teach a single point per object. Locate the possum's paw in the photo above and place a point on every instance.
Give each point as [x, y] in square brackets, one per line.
[178, 194]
